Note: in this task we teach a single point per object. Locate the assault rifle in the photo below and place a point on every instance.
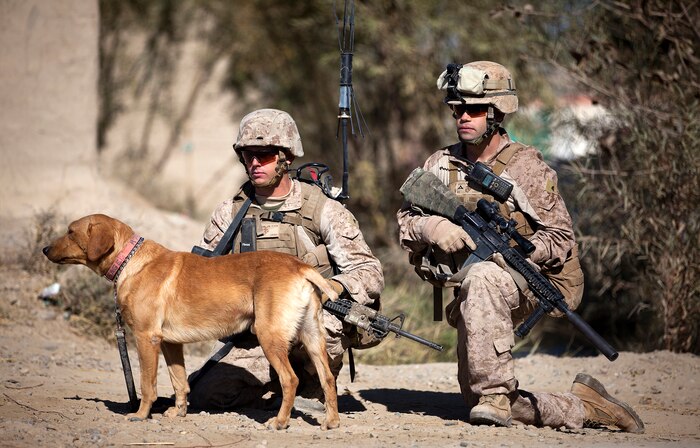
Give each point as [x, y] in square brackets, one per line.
[371, 321]
[492, 234]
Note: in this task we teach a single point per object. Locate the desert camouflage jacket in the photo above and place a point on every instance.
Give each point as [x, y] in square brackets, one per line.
[535, 194]
[359, 270]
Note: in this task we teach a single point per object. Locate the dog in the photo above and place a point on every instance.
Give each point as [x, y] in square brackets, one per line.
[170, 298]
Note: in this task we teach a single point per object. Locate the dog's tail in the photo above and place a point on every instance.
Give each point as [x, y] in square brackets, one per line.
[320, 283]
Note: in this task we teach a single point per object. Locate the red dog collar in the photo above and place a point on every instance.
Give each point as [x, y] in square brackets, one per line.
[123, 257]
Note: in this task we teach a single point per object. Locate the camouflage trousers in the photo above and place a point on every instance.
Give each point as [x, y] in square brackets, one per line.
[487, 306]
[244, 377]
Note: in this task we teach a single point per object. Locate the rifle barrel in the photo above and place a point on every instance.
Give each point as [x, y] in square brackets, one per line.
[399, 332]
[592, 335]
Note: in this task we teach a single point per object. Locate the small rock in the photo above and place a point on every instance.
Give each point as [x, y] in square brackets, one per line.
[50, 291]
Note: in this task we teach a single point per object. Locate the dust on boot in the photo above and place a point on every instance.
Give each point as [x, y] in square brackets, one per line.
[603, 409]
[492, 409]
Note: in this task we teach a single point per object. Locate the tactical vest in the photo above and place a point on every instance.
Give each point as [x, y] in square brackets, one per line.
[470, 196]
[568, 278]
[278, 231]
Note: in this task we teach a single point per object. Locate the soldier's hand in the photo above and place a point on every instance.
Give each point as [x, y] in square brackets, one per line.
[499, 260]
[446, 235]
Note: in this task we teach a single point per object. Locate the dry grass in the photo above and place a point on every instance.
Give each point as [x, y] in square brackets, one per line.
[42, 230]
[635, 200]
[89, 302]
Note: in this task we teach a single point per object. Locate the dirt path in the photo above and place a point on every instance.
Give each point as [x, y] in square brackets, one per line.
[60, 388]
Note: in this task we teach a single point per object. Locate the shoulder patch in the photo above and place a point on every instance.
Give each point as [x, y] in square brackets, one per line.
[551, 187]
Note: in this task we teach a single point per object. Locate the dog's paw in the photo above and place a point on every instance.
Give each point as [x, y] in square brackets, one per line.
[176, 411]
[330, 424]
[274, 423]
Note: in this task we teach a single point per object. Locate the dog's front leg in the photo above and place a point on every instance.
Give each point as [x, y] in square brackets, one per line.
[148, 346]
[178, 376]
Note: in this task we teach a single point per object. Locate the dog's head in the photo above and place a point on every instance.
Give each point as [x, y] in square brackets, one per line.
[94, 241]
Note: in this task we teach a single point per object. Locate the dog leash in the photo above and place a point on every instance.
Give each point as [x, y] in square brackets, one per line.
[113, 274]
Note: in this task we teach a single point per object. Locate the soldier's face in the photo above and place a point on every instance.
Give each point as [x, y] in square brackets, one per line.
[261, 164]
[470, 120]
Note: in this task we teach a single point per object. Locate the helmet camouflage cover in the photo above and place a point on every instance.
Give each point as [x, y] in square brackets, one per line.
[480, 82]
[269, 127]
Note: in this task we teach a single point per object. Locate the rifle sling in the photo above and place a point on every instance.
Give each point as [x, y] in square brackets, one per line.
[437, 303]
[226, 242]
[126, 367]
[211, 362]
[351, 363]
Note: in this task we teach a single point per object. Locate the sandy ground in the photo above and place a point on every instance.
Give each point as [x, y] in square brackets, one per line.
[60, 388]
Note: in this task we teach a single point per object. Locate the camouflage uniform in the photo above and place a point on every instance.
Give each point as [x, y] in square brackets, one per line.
[488, 303]
[244, 375]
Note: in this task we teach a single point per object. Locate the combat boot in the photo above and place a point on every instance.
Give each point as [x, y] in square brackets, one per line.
[491, 410]
[603, 409]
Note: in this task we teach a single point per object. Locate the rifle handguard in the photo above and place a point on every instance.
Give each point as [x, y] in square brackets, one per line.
[491, 213]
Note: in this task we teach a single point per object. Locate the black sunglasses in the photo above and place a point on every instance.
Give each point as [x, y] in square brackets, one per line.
[473, 110]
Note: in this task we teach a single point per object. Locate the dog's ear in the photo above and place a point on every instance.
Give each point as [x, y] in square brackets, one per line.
[100, 241]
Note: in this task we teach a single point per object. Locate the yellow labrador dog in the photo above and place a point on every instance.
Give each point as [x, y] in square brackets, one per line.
[170, 298]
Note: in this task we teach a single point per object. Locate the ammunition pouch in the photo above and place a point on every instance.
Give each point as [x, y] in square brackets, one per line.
[568, 279]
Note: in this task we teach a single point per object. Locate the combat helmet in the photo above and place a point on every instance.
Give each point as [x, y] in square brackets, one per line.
[480, 82]
[269, 127]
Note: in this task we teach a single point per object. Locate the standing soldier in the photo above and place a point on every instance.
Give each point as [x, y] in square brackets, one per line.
[281, 214]
[488, 302]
